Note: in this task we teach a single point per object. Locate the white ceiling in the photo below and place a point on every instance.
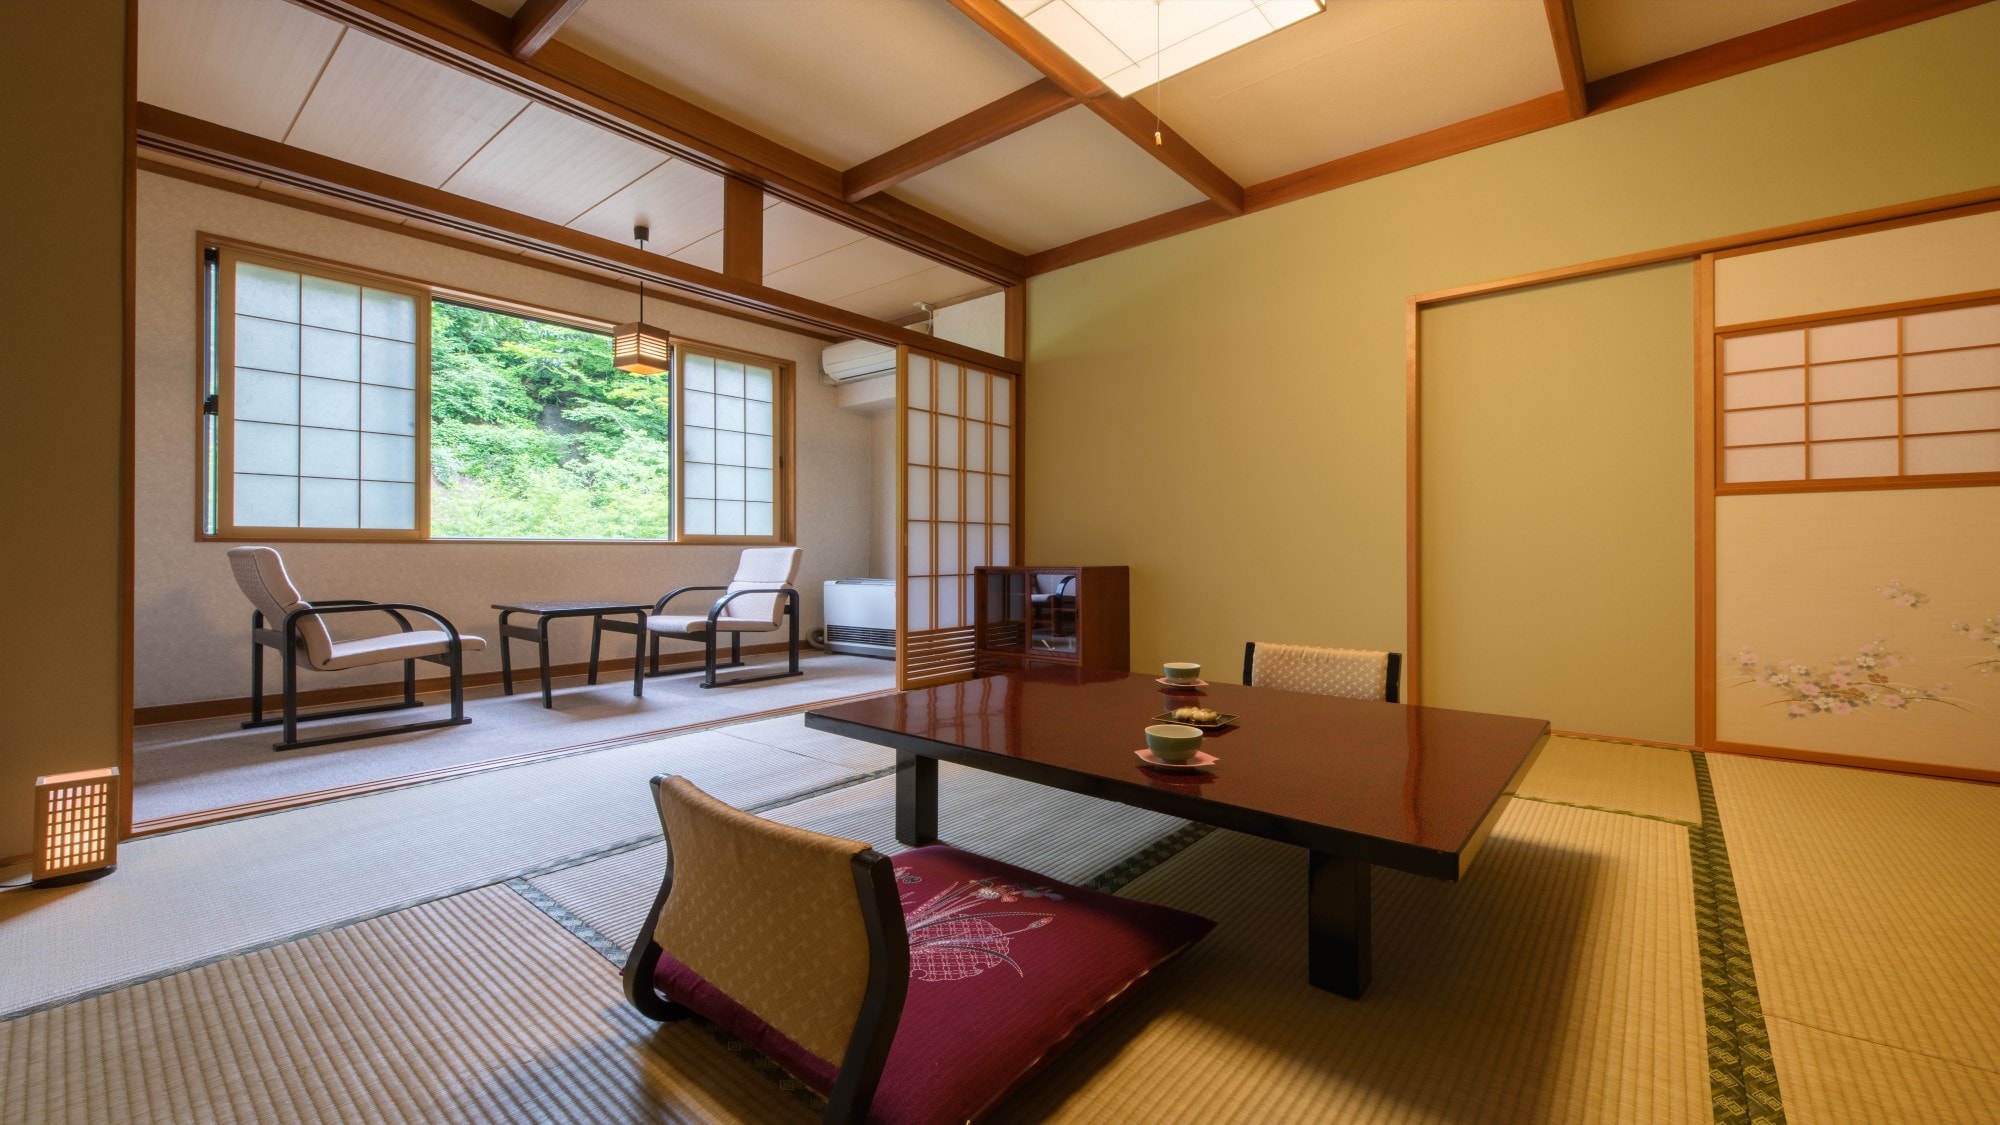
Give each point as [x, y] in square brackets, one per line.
[842, 81]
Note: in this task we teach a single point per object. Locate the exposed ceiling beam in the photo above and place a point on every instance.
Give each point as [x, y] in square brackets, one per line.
[537, 22]
[1569, 55]
[1035, 102]
[743, 230]
[181, 135]
[474, 39]
[150, 160]
[1827, 28]
[1129, 117]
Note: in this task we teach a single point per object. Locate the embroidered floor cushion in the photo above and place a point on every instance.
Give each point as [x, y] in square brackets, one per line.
[1007, 968]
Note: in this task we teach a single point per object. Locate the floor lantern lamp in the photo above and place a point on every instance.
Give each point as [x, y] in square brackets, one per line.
[639, 347]
[75, 839]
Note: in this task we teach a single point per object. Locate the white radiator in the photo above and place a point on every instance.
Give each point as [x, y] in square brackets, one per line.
[861, 616]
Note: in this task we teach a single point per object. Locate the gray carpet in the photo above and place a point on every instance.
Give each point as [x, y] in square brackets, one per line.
[204, 764]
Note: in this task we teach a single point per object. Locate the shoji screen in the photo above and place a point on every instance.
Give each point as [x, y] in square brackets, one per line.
[956, 506]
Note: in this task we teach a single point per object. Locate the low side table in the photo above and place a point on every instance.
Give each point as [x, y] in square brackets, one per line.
[545, 612]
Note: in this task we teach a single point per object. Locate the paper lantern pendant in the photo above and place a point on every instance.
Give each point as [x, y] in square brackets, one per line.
[639, 347]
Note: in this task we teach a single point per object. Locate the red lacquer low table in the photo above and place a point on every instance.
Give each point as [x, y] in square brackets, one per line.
[1356, 784]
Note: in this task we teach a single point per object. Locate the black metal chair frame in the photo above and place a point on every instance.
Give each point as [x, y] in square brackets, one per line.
[287, 641]
[1391, 692]
[707, 638]
[882, 998]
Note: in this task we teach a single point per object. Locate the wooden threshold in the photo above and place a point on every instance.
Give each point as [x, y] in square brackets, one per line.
[443, 773]
[1853, 761]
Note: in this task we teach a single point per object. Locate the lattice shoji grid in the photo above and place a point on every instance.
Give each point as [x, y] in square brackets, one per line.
[957, 508]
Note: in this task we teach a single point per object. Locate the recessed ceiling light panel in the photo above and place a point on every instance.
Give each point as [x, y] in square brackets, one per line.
[1131, 44]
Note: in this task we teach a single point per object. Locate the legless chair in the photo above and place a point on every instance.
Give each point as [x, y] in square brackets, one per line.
[917, 990]
[296, 628]
[757, 600]
[1350, 673]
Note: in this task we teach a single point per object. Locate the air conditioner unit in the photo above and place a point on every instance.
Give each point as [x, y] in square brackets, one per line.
[857, 359]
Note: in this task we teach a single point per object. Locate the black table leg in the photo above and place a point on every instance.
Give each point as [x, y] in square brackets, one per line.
[639, 656]
[916, 798]
[596, 634]
[542, 642]
[506, 662]
[1338, 911]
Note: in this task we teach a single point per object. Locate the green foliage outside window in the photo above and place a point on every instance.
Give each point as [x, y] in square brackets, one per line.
[534, 435]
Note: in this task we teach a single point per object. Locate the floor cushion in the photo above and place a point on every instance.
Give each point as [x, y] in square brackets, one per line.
[1007, 968]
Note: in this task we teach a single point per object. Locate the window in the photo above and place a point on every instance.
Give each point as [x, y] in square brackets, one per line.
[339, 404]
[729, 458]
[314, 388]
[1877, 399]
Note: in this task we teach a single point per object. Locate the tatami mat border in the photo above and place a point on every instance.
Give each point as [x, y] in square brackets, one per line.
[1688, 824]
[1742, 1076]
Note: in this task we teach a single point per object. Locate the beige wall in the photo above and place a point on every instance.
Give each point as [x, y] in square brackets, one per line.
[1558, 507]
[192, 622]
[62, 118]
[1223, 410]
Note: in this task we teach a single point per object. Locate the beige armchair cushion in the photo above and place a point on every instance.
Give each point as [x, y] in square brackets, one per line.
[1349, 673]
[260, 573]
[762, 568]
[768, 914]
[395, 646]
[681, 623]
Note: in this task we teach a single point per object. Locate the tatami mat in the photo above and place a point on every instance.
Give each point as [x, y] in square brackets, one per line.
[1872, 904]
[1558, 983]
[1833, 1079]
[1063, 835]
[1620, 776]
[475, 1008]
[184, 897]
[789, 732]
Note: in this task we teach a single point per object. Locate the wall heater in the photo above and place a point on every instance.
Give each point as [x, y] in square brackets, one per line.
[861, 616]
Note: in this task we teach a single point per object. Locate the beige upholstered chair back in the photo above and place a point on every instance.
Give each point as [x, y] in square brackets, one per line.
[763, 568]
[768, 914]
[260, 573]
[1349, 673]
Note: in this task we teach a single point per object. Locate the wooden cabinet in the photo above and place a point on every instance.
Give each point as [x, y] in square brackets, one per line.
[1058, 615]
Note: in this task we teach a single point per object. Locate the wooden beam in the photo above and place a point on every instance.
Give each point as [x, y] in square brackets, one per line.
[185, 136]
[1516, 120]
[537, 22]
[1829, 27]
[457, 240]
[1123, 114]
[1035, 102]
[743, 231]
[1192, 217]
[474, 39]
[1569, 55]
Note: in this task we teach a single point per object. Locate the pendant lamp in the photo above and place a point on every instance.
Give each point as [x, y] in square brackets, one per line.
[639, 347]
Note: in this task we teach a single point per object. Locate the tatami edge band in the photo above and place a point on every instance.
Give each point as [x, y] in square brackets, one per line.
[1687, 824]
[1742, 1076]
[546, 867]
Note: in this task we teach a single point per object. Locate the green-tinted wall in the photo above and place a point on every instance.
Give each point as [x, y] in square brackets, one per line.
[1223, 411]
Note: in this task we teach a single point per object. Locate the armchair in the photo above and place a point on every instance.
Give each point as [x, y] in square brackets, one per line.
[296, 628]
[757, 600]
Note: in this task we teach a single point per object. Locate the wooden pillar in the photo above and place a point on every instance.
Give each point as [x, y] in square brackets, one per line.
[743, 230]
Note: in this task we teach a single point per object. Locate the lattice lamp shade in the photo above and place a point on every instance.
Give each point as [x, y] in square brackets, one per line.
[75, 834]
[640, 349]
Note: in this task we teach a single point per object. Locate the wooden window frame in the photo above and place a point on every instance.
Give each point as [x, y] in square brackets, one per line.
[212, 313]
[217, 315]
[1720, 336]
[784, 482]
